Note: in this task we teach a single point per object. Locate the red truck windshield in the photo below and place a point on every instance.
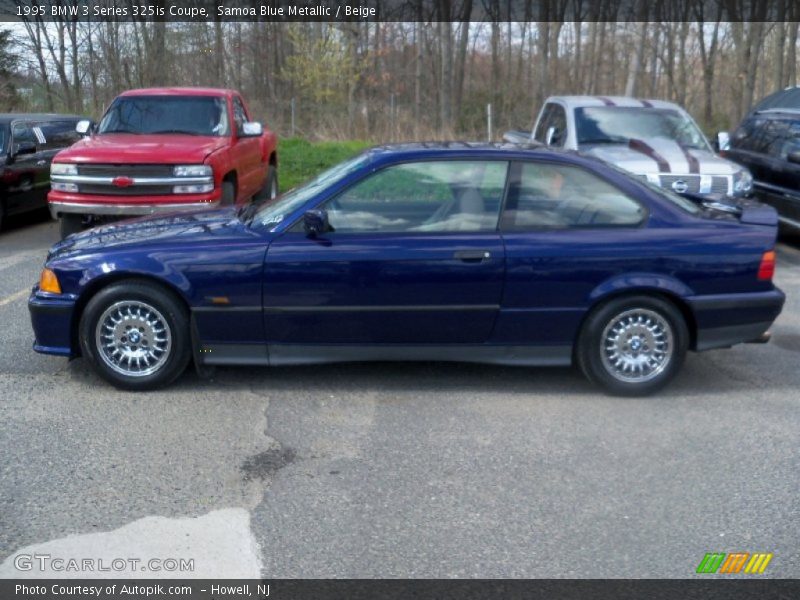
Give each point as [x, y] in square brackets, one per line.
[190, 115]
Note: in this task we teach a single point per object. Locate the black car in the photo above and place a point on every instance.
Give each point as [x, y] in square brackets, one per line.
[768, 143]
[28, 143]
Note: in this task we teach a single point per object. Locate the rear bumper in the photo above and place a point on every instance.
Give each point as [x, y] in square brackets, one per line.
[727, 319]
[52, 320]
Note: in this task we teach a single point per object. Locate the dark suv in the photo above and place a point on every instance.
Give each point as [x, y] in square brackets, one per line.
[768, 143]
[28, 143]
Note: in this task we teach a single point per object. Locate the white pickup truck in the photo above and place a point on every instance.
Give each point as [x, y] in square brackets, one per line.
[654, 139]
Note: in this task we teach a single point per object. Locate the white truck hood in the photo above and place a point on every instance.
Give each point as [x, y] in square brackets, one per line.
[661, 155]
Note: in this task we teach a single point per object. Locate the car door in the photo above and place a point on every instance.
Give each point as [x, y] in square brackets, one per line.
[413, 257]
[566, 230]
[28, 172]
[247, 152]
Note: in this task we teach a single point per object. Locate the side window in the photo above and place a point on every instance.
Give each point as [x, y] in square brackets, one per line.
[436, 196]
[750, 136]
[544, 123]
[239, 113]
[791, 140]
[560, 123]
[23, 132]
[546, 195]
[59, 134]
[553, 116]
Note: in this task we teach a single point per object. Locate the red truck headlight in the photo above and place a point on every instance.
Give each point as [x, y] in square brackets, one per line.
[193, 171]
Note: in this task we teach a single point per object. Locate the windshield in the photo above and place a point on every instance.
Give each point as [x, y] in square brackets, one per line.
[275, 212]
[618, 125]
[191, 115]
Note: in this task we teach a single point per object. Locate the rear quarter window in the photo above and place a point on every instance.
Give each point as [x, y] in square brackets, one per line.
[546, 195]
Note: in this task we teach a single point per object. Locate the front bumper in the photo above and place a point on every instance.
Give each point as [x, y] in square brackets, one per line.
[58, 208]
[52, 318]
[62, 203]
[727, 319]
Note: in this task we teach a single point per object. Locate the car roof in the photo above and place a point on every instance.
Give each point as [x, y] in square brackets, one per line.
[8, 117]
[461, 149]
[784, 100]
[622, 101]
[179, 91]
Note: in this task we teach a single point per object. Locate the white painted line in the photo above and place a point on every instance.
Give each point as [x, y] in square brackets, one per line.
[14, 296]
[220, 544]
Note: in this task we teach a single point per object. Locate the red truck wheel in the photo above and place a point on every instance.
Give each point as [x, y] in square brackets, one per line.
[70, 224]
[228, 194]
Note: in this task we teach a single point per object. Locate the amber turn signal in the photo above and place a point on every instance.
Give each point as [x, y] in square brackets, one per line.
[48, 282]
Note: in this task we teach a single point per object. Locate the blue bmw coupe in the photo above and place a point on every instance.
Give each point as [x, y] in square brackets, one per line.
[461, 252]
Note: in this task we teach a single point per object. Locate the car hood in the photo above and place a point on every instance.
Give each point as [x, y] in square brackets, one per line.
[220, 227]
[127, 148]
[642, 158]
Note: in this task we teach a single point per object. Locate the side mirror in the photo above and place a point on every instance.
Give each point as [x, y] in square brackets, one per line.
[23, 148]
[83, 127]
[315, 222]
[723, 141]
[794, 157]
[251, 129]
[553, 136]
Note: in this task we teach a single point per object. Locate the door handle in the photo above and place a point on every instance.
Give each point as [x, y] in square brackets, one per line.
[472, 255]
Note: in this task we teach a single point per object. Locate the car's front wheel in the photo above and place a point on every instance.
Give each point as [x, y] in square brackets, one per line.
[633, 346]
[135, 334]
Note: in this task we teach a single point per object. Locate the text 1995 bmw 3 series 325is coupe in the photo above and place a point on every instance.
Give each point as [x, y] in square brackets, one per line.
[481, 253]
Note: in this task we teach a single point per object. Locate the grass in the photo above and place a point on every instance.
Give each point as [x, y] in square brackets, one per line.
[300, 160]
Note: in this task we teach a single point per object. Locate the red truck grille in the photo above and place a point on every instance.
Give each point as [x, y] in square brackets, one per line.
[126, 170]
[111, 190]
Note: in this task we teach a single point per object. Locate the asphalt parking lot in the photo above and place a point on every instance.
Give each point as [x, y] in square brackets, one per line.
[397, 470]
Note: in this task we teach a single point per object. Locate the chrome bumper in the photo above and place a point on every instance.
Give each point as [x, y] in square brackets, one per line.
[90, 208]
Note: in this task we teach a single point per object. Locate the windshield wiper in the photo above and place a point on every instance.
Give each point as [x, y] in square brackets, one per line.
[121, 131]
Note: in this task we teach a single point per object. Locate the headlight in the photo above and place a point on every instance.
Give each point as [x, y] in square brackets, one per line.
[48, 282]
[193, 171]
[742, 182]
[63, 169]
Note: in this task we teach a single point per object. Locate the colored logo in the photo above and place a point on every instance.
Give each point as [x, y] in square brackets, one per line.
[122, 181]
[736, 562]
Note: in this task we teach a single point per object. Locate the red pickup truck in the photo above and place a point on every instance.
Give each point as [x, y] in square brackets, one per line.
[161, 150]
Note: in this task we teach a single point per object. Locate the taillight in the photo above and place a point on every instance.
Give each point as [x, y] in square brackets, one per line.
[767, 267]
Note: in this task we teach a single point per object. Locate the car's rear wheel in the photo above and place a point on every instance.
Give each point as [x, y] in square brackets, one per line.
[70, 224]
[633, 346]
[135, 334]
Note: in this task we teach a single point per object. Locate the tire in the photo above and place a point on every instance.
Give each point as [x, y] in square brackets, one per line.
[2, 215]
[633, 345]
[228, 194]
[70, 224]
[162, 347]
[269, 190]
